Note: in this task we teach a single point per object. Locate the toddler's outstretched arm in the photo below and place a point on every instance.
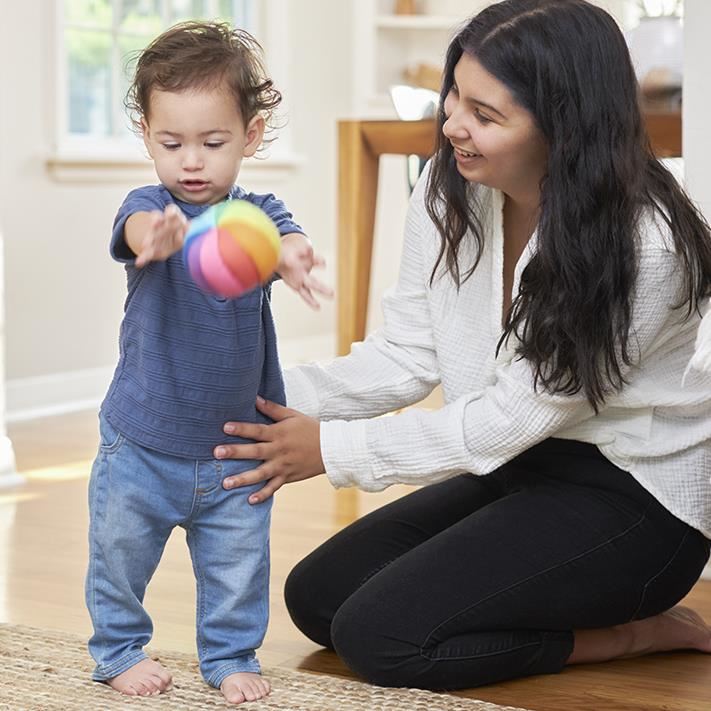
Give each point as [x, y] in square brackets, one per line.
[296, 261]
[155, 236]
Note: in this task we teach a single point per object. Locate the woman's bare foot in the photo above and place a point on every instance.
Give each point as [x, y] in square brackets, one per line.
[678, 628]
[147, 678]
[244, 686]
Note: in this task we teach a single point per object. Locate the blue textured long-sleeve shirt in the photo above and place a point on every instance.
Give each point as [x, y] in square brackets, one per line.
[189, 361]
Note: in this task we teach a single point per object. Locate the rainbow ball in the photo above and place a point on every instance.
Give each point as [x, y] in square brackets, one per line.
[231, 248]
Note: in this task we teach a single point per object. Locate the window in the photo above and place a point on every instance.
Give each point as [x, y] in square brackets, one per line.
[96, 41]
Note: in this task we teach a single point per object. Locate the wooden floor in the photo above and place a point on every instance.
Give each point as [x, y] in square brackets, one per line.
[43, 559]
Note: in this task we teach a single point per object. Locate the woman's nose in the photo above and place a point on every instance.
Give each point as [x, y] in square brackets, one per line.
[453, 127]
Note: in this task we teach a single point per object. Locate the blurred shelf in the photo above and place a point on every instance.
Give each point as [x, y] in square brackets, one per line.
[417, 22]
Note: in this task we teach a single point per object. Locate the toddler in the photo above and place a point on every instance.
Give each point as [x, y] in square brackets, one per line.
[188, 363]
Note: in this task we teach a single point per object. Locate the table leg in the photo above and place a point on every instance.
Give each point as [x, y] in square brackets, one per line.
[357, 190]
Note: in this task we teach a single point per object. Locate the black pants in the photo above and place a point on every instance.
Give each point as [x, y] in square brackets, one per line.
[481, 579]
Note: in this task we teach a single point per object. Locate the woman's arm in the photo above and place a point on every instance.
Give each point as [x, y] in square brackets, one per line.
[481, 431]
[397, 365]
[476, 433]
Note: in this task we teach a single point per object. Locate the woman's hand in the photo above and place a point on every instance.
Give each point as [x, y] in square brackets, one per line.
[290, 450]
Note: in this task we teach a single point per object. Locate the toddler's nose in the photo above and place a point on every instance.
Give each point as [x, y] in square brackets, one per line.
[192, 160]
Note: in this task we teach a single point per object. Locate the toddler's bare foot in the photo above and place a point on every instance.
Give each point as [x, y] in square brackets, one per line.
[147, 678]
[244, 686]
[678, 628]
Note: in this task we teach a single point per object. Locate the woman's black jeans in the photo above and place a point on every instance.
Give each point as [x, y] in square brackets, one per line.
[484, 578]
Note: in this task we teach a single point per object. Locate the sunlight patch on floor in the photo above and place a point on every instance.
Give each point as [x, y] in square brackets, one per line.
[16, 498]
[65, 472]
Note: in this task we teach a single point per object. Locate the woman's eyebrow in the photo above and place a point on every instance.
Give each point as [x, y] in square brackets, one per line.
[477, 102]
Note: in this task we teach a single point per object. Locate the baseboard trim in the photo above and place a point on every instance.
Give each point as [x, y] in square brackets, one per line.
[72, 391]
[56, 393]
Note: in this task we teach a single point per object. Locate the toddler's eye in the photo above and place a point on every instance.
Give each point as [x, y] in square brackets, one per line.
[171, 146]
[215, 144]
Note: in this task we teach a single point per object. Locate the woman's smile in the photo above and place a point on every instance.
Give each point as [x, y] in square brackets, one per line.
[465, 157]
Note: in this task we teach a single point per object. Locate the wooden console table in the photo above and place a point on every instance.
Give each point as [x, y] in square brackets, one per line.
[360, 145]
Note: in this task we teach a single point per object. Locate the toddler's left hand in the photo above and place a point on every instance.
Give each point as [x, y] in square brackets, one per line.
[296, 261]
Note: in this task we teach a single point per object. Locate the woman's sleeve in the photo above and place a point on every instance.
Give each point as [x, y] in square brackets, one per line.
[394, 367]
[480, 431]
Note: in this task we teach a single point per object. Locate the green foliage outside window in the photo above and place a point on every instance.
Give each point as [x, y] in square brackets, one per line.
[100, 39]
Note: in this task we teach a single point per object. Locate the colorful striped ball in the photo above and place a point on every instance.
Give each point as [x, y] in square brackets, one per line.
[231, 248]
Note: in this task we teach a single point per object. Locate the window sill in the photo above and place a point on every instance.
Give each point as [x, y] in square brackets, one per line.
[108, 168]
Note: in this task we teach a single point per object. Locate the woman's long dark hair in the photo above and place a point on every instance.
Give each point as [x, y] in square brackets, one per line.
[566, 62]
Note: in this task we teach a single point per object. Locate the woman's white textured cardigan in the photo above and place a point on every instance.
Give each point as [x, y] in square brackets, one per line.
[656, 428]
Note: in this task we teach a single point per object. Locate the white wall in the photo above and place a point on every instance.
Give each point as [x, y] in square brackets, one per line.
[61, 293]
[696, 139]
[64, 294]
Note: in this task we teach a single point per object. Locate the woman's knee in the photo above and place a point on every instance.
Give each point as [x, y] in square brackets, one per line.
[372, 651]
[304, 604]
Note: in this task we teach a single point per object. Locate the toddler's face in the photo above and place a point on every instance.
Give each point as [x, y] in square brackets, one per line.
[197, 140]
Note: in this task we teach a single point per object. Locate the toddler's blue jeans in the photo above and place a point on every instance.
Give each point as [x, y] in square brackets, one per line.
[136, 498]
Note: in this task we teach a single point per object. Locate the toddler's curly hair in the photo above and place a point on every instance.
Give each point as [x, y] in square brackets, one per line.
[203, 55]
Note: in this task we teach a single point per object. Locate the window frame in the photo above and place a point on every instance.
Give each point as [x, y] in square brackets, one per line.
[82, 158]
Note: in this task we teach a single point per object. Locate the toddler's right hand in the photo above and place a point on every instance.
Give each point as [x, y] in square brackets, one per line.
[164, 236]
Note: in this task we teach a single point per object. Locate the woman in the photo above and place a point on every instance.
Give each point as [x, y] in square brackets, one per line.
[551, 281]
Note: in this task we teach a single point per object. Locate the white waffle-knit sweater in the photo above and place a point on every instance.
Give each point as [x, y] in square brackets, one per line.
[656, 428]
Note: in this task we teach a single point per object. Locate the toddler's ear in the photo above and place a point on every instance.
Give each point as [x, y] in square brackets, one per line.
[146, 136]
[254, 133]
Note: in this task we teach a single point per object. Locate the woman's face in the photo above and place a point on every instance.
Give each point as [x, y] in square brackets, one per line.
[496, 142]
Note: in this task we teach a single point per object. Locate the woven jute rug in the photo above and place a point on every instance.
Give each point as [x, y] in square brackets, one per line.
[42, 670]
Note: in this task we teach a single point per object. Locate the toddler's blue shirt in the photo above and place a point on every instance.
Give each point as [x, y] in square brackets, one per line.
[189, 361]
